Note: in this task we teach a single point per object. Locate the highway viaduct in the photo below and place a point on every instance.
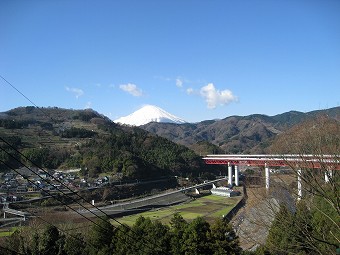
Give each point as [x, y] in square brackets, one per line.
[294, 161]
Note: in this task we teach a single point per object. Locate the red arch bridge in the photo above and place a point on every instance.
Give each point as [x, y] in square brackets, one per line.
[296, 161]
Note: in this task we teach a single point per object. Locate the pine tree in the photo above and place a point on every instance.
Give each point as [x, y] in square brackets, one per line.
[223, 239]
[100, 236]
[195, 237]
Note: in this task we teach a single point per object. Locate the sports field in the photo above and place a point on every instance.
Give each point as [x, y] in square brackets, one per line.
[208, 207]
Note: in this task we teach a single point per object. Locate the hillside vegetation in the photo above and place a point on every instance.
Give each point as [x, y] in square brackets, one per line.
[61, 138]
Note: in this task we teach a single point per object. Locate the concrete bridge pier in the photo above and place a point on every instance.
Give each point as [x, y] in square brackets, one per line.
[328, 175]
[230, 174]
[236, 176]
[267, 173]
[299, 183]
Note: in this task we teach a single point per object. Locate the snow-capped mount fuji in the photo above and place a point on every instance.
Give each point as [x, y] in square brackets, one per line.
[147, 114]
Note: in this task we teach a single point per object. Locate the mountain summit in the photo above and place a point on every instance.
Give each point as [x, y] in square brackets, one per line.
[147, 114]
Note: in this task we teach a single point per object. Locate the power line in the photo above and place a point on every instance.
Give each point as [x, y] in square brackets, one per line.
[17, 90]
[64, 193]
[62, 201]
[55, 197]
[22, 94]
[62, 231]
[46, 172]
[112, 218]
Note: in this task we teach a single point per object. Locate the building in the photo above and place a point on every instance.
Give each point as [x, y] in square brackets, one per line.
[224, 191]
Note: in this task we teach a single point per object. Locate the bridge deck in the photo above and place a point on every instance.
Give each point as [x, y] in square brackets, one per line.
[308, 161]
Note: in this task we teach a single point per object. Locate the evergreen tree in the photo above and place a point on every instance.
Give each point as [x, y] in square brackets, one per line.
[150, 237]
[123, 242]
[48, 241]
[195, 238]
[74, 244]
[223, 239]
[280, 235]
[178, 225]
[100, 236]
[326, 227]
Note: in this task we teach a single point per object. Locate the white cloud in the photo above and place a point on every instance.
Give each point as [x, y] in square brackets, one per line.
[190, 91]
[131, 89]
[77, 92]
[214, 97]
[179, 83]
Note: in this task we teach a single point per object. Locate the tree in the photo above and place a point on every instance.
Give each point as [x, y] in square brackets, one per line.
[50, 241]
[93, 165]
[36, 155]
[316, 220]
[14, 244]
[278, 240]
[325, 222]
[223, 239]
[159, 236]
[195, 237]
[100, 236]
[178, 225]
[74, 244]
[123, 242]
[150, 237]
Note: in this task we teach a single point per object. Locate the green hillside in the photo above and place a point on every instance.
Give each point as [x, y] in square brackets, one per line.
[60, 138]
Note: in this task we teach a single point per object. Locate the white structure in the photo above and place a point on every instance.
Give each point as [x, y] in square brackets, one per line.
[299, 172]
[236, 176]
[224, 191]
[328, 175]
[230, 174]
[267, 173]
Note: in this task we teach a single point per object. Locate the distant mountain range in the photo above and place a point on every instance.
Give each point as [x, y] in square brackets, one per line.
[147, 114]
[235, 134]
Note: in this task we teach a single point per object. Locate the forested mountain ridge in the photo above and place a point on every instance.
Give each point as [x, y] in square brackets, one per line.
[235, 134]
[61, 138]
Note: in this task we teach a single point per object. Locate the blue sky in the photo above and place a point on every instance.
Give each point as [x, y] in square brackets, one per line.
[196, 59]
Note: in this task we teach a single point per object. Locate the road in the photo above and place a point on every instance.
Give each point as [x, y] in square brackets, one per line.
[140, 204]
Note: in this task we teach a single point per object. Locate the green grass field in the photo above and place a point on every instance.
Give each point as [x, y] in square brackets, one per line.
[7, 232]
[208, 207]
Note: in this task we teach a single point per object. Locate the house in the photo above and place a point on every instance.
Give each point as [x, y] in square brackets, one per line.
[32, 188]
[22, 188]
